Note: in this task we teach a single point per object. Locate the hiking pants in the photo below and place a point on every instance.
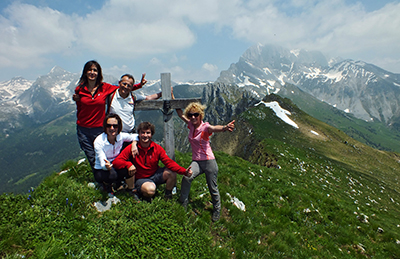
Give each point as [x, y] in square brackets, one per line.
[210, 169]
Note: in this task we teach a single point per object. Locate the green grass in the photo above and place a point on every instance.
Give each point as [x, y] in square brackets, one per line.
[323, 196]
[58, 219]
[310, 208]
[373, 133]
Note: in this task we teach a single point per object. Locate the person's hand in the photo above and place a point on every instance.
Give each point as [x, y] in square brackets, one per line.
[134, 150]
[132, 170]
[76, 97]
[143, 81]
[189, 171]
[108, 164]
[230, 126]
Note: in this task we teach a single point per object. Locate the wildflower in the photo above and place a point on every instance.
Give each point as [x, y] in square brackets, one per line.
[67, 201]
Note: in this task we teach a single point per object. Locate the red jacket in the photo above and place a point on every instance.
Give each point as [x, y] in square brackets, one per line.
[90, 110]
[146, 162]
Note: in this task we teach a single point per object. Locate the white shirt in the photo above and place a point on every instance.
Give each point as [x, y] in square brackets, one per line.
[106, 150]
[124, 108]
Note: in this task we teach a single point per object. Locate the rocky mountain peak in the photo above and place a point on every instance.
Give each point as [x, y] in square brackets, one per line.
[367, 91]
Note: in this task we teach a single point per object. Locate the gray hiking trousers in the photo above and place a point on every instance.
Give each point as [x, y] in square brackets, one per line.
[210, 168]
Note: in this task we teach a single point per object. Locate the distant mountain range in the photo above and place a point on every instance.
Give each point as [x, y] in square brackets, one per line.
[364, 90]
[38, 117]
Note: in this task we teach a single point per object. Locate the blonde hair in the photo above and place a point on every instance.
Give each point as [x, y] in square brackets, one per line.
[195, 107]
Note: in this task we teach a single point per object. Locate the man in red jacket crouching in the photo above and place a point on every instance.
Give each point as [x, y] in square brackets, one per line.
[145, 167]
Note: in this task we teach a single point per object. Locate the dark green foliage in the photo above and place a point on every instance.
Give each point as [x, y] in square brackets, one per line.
[328, 196]
[58, 219]
[30, 155]
[308, 208]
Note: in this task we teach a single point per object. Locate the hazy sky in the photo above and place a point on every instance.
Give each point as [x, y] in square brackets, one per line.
[192, 39]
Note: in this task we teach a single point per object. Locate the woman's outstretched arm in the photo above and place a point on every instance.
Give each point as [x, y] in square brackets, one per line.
[222, 128]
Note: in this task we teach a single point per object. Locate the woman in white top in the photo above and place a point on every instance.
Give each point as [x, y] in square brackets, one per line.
[107, 147]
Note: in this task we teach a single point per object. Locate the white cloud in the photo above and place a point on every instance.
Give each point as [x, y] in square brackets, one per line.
[125, 29]
[210, 67]
[129, 29]
[30, 33]
[117, 71]
[330, 26]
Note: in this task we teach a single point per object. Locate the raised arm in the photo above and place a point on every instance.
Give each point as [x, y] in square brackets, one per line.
[179, 111]
[181, 115]
[143, 81]
[222, 128]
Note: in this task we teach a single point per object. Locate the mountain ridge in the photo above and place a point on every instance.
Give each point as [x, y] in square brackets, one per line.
[302, 194]
[351, 86]
[48, 100]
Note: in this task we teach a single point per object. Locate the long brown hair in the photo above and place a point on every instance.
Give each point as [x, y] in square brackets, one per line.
[84, 80]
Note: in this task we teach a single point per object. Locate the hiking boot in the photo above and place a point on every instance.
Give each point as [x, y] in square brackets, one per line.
[148, 199]
[168, 197]
[215, 215]
[135, 195]
[119, 186]
[185, 204]
[107, 188]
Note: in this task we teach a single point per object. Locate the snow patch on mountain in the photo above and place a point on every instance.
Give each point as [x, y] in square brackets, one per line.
[280, 112]
[13, 88]
[334, 76]
[246, 81]
[61, 90]
[365, 90]
[295, 52]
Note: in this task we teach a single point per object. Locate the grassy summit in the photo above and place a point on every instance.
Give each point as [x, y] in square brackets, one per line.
[306, 192]
[308, 208]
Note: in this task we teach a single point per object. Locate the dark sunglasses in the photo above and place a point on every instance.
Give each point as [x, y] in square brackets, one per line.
[196, 114]
[126, 84]
[116, 126]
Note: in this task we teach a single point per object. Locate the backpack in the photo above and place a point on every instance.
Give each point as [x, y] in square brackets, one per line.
[110, 97]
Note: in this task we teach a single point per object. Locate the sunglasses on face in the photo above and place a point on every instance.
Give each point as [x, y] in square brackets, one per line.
[196, 114]
[126, 84]
[112, 125]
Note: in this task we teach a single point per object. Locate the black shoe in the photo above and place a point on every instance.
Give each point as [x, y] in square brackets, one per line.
[148, 199]
[135, 195]
[108, 188]
[168, 197]
[119, 186]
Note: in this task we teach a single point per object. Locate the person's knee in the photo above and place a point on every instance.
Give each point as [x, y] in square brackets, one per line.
[168, 175]
[188, 179]
[99, 176]
[148, 189]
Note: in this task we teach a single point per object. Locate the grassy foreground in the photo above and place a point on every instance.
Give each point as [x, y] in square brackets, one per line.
[309, 208]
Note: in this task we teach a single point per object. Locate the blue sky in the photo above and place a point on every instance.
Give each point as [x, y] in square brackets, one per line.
[191, 39]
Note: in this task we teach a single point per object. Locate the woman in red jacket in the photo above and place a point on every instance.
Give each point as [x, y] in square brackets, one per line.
[90, 96]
